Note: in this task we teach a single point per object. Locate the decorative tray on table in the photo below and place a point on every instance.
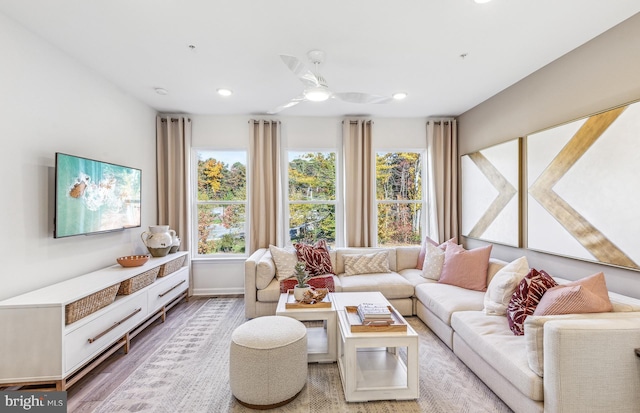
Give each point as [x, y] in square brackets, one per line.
[292, 303]
[397, 325]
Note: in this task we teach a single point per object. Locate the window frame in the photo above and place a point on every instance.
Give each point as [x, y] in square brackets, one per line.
[424, 222]
[337, 202]
[195, 203]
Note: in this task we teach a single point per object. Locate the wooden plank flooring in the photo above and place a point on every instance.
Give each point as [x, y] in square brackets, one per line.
[93, 389]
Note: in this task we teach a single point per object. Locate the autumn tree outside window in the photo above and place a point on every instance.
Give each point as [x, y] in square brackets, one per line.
[221, 202]
[399, 198]
[312, 196]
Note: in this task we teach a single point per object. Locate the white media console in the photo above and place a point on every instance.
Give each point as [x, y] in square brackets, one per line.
[37, 347]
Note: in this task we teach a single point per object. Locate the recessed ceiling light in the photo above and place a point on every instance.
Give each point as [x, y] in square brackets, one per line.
[399, 95]
[161, 91]
[225, 92]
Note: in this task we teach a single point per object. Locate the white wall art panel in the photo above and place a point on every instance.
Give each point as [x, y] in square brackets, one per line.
[583, 188]
[490, 194]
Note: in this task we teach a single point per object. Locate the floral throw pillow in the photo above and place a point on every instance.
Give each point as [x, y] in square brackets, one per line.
[316, 257]
[526, 297]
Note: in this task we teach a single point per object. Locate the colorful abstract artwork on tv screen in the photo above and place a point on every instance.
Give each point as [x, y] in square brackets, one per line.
[94, 196]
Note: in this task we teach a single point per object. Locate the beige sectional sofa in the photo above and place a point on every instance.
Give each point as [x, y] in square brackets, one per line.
[564, 363]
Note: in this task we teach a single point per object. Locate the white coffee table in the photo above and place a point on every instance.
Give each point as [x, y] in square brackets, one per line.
[321, 340]
[370, 366]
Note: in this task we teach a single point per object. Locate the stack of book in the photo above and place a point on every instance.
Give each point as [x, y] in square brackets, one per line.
[374, 314]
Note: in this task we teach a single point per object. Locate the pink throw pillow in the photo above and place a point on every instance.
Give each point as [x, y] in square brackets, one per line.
[466, 268]
[526, 297]
[423, 249]
[587, 295]
[316, 257]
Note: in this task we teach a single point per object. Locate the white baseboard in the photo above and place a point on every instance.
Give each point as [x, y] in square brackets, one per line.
[217, 291]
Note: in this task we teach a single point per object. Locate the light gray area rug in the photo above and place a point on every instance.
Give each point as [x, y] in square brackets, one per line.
[189, 373]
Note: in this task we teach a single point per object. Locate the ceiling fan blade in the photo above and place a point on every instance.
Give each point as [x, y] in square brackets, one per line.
[298, 68]
[289, 104]
[356, 97]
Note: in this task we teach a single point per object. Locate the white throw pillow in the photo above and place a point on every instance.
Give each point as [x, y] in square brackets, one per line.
[375, 263]
[502, 286]
[433, 261]
[285, 260]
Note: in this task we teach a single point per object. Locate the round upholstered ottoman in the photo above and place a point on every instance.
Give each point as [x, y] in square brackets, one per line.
[268, 361]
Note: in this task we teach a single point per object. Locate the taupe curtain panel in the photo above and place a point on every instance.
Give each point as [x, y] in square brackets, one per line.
[442, 154]
[360, 223]
[173, 140]
[265, 187]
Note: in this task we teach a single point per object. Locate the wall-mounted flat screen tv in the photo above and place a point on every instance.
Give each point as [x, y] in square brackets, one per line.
[94, 197]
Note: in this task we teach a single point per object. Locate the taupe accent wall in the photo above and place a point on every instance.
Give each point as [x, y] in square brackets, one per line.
[597, 76]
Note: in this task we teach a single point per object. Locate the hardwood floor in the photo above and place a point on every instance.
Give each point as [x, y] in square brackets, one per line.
[91, 390]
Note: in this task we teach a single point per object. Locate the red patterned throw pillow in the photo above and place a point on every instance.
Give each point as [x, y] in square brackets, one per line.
[321, 281]
[526, 298]
[316, 257]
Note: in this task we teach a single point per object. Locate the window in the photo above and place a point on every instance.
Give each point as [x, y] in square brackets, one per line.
[221, 202]
[312, 196]
[399, 198]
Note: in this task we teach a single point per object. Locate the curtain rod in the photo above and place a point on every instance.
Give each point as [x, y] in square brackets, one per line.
[256, 121]
[174, 119]
[353, 122]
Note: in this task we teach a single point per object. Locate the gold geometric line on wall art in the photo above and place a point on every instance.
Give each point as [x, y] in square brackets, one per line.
[506, 191]
[542, 191]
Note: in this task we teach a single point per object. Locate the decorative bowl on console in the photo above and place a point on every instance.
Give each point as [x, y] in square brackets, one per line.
[133, 260]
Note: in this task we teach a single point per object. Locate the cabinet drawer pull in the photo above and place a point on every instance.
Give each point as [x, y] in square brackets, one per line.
[171, 289]
[116, 324]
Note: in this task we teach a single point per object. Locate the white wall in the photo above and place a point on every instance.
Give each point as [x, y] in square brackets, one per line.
[599, 75]
[50, 103]
[226, 276]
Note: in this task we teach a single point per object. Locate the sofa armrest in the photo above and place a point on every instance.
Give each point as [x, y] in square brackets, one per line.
[590, 365]
[250, 290]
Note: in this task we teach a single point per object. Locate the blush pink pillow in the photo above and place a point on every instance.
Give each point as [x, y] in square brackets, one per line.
[423, 249]
[587, 295]
[466, 268]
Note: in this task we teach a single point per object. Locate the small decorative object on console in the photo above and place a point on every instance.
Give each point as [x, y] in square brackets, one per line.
[133, 260]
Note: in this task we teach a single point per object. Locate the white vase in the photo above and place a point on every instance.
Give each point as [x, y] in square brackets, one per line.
[158, 240]
[298, 292]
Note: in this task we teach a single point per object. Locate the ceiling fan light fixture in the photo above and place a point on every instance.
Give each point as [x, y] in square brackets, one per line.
[317, 94]
[399, 95]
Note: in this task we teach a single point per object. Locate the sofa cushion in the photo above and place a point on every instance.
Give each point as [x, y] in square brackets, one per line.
[443, 299]
[423, 249]
[414, 276]
[493, 341]
[265, 271]
[526, 298]
[316, 256]
[587, 295]
[502, 286]
[376, 262]
[466, 268]
[392, 285]
[285, 260]
[433, 262]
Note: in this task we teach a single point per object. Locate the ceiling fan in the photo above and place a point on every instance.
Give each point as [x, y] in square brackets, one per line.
[315, 86]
